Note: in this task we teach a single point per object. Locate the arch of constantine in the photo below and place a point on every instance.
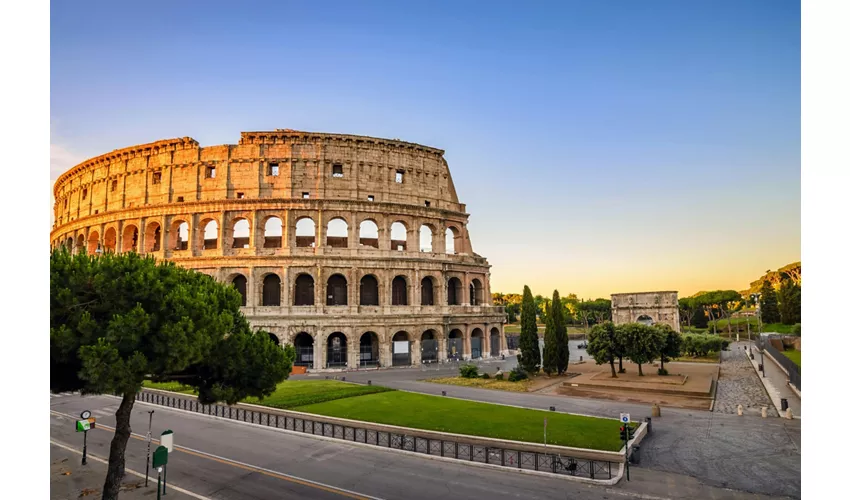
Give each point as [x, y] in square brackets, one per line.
[646, 307]
[354, 249]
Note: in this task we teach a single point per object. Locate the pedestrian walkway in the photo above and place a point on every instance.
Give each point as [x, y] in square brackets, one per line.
[739, 385]
[776, 383]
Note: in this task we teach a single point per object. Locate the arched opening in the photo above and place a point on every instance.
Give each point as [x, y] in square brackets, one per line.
[153, 237]
[303, 350]
[241, 233]
[476, 293]
[338, 233]
[398, 236]
[495, 347]
[454, 345]
[110, 240]
[369, 291]
[455, 291]
[399, 291]
[69, 244]
[337, 290]
[476, 343]
[427, 291]
[209, 230]
[643, 319]
[369, 349]
[271, 290]
[273, 233]
[94, 240]
[426, 238]
[401, 349]
[429, 346]
[274, 338]
[241, 284]
[303, 295]
[81, 244]
[452, 237]
[130, 242]
[369, 234]
[337, 350]
[179, 235]
[305, 233]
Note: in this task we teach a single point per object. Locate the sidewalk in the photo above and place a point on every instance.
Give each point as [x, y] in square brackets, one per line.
[776, 383]
[70, 479]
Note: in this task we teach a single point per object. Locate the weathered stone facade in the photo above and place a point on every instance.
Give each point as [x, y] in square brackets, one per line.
[353, 248]
[646, 307]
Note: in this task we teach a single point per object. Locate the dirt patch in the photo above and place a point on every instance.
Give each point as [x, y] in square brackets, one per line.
[671, 400]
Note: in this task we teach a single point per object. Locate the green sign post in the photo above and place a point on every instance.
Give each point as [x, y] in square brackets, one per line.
[166, 439]
[160, 460]
[84, 426]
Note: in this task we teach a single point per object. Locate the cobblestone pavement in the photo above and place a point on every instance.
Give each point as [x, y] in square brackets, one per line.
[739, 384]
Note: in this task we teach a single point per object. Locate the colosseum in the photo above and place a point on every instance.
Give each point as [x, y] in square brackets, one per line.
[353, 249]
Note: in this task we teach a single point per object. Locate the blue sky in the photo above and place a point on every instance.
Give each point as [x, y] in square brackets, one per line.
[600, 147]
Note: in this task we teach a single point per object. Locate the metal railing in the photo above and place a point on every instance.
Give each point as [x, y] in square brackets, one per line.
[450, 448]
[792, 369]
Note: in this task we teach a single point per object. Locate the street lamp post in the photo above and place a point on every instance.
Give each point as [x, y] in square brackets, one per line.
[758, 318]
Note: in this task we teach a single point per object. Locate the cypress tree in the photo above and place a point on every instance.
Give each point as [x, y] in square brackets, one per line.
[559, 325]
[789, 302]
[769, 303]
[528, 341]
[550, 343]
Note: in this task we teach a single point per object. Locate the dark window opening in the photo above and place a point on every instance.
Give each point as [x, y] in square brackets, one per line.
[399, 291]
[240, 196]
[337, 170]
[241, 284]
[179, 199]
[454, 292]
[85, 193]
[399, 176]
[274, 169]
[114, 185]
[157, 177]
[337, 291]
[304, 290]
[427, 292]
[305, 195]
[370, 198]
[368, 291]
[210, 173]
[271, 290]
[427, 203]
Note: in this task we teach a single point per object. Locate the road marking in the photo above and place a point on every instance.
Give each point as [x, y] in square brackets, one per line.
[243, 465]
[94, 457]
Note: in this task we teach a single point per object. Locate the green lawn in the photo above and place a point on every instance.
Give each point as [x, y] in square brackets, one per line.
[466, 417]
[793, 356]
[292, 393]
[741, 325]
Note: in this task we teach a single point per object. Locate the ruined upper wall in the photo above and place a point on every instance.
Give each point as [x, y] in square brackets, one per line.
[281, 164]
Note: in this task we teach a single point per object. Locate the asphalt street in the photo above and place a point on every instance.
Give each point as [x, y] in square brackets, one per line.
[221, 459]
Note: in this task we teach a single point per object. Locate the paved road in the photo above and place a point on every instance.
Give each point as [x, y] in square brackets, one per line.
[230, 460]
[739, 384]
[746, 453]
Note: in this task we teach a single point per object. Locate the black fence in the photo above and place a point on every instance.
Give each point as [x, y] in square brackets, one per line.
[793, 369]
[504, 457]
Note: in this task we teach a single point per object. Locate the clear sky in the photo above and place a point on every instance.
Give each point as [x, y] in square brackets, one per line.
[600, 147]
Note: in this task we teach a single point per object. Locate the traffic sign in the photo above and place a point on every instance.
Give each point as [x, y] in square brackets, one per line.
[85, 425]
[160, 456]
[625, 418]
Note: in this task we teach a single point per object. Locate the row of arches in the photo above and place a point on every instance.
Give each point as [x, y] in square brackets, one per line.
[368, 291]
[272, 236]
[400, 350]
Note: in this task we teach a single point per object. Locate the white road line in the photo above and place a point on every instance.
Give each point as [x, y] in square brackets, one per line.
[243, 464]
[131, 471]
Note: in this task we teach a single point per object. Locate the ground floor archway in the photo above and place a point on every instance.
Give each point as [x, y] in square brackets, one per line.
[476, 343]
[304, 350]
[454, 345]
[401, 349]
[495, 346]
[369, 350]
[429, 346]
[337, 350]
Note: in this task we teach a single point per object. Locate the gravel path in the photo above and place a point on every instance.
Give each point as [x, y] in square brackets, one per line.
[739, 384]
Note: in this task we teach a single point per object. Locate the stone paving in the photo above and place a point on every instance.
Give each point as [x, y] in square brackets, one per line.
[739, 384]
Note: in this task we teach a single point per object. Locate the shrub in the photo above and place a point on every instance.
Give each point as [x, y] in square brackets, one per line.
[469, 371]
[662, 371]
[724, 345]
[500, 376]
[517, 375]
[486, 375]
[795, 330]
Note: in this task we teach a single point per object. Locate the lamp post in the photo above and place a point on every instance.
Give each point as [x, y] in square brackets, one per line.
[758, 317]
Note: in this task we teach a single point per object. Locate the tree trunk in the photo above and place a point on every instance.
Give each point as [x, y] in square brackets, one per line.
[115, 470]
[621, 365]
[613, 371]
[662, 363]
[640, 369]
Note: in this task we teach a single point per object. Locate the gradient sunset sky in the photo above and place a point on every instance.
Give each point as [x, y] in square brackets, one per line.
[600, 146]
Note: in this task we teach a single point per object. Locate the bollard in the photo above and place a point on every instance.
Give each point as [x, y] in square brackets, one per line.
[648, 421]
[343, 379]
[656, 410]
[740, 410]
[444, 393]
[788, 414]
[764, 412]
[368, 382]
[551, 408]
[581, 358]
[783, 404]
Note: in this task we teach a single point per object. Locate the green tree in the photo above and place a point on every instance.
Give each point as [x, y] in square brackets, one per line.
[769, 303]
[511, 311]
[642, 344]
[528, 341]
[603, 345]
[671, 347]
[556, 348]
[116, 320]
[789, 302]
